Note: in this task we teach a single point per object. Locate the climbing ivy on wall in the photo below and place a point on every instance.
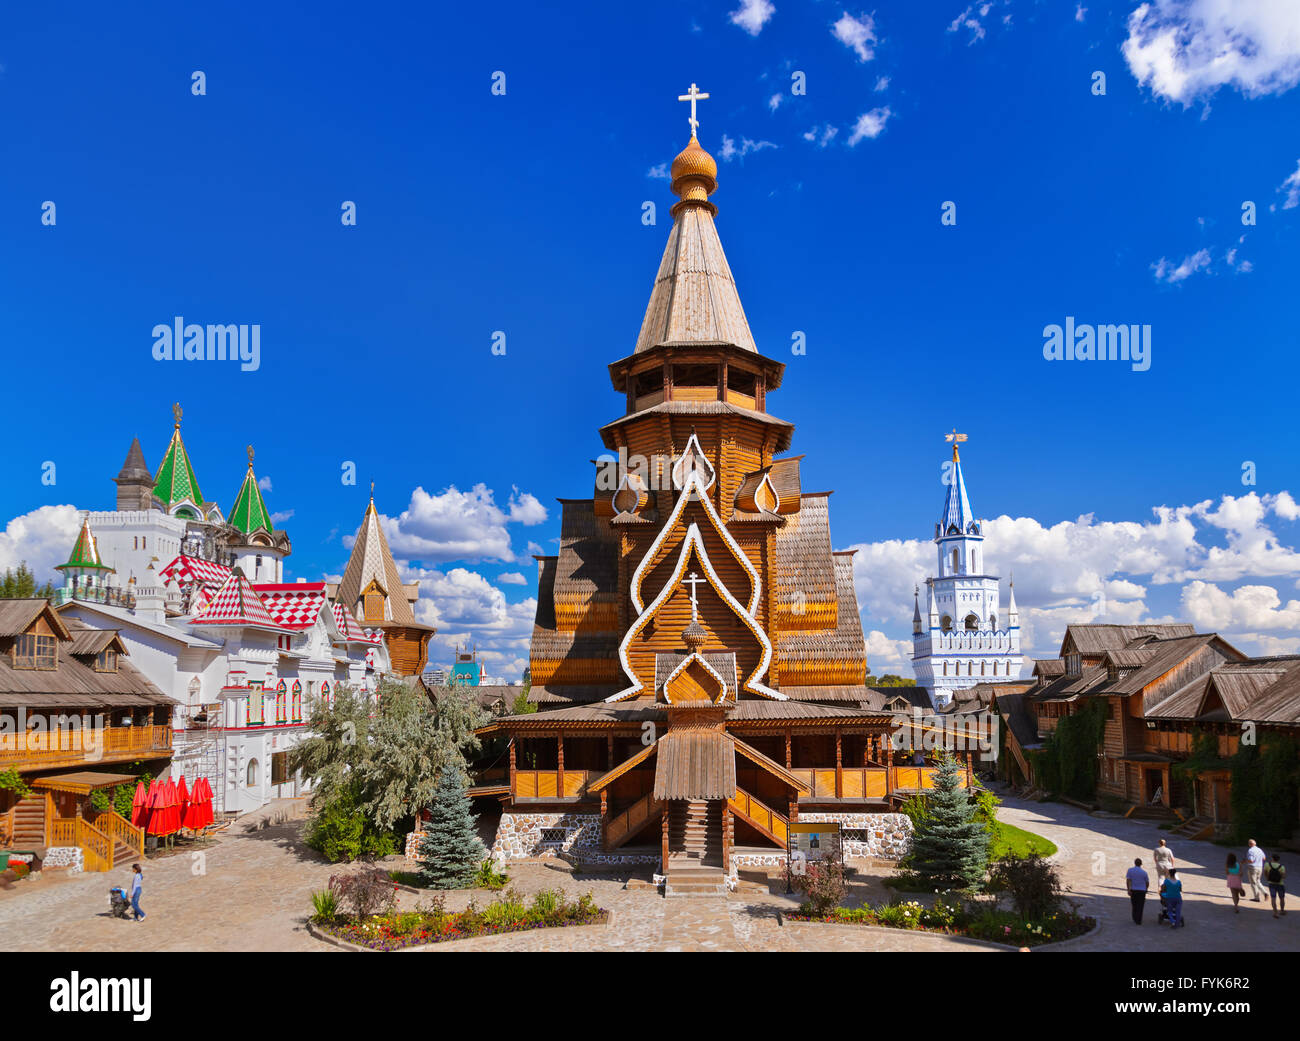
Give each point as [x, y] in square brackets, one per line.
[1067, 764]
[1265, 789]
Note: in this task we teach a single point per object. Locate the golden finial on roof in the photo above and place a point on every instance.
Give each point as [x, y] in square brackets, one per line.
[250, 457]
[694, 172]
[176, 411]
[955, 438]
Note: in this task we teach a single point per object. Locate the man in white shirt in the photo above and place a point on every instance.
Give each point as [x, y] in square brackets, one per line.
[1137, 882]
[1254, 869]
[1164, 861]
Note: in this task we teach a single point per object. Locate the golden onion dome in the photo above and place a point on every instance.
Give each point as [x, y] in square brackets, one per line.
[694, 174]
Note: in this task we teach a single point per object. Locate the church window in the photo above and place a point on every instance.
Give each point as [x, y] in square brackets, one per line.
[945, 623]
[945, 668]
[954, 560]
[993, 621]
[279, 702]
[972, 623]
[252, 773]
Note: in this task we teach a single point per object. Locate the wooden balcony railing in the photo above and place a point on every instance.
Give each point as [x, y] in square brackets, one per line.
[96, 847]
[57, 748]
[857, 782]
[919, 777]
[546, 784]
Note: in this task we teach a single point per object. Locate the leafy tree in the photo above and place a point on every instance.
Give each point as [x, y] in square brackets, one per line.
[450, 850]
[950, 846]
[1265, 777]
[522, 706]
[372, 764]
[1067, 764]
[890, 680]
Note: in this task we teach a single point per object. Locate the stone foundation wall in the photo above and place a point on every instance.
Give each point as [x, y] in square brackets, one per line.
[64, 856]
[572, 835]
[887, 836]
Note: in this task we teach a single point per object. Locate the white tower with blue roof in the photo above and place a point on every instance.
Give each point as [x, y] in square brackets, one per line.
[964, 636]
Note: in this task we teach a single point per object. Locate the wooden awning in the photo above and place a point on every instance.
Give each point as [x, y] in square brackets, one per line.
[83, 782]
[695, 764]
[608, 778]
[771, 766]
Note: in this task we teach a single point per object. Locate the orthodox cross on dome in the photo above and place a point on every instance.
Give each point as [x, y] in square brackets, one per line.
[693, 95]
[693, 581]
[955, 439]
[176, 411]
[250, 457]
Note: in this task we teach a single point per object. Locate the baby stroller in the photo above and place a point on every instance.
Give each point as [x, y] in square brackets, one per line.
[118, 902]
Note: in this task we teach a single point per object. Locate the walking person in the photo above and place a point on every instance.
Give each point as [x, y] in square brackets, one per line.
[1275, 876]
[1233, 871]
[1164, 861]
[1137, 882]
[137, 887]
[1254, 869]
[1171, 890]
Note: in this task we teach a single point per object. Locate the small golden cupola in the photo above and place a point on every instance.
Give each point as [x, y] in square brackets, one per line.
[694, 177]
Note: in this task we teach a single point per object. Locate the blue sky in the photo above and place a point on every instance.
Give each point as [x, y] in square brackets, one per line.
[522, 213]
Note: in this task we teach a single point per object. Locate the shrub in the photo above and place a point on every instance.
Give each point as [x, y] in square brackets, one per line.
[547, 904]
[11, 780]
[366, 892]
[822, 885]
[506, 909]
[325, 904]
[488, 877]
[339, 830]
[1030, 883]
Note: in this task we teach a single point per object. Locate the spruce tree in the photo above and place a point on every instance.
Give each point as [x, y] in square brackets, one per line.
[950, 846]
[450, 851]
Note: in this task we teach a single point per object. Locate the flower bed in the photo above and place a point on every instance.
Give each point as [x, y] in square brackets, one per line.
[956, 920]
[395, 930]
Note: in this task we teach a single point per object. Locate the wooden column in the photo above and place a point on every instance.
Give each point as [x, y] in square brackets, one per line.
[726, 838]
[968, 769]
[559, 761]
[789, 761]
[794, 808]
[839, 766]
[609, 752]
[512, 768]
[663, 860]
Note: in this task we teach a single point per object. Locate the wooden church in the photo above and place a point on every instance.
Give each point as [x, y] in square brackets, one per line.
[697, 659]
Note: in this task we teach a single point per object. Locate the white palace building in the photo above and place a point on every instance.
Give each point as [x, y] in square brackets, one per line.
[964, 637]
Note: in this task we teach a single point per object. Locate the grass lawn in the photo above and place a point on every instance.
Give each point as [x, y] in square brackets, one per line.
[1020, 842]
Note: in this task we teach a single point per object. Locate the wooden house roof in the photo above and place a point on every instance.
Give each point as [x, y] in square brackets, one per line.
[1264, 690]
[1098, 638]
[695, 764]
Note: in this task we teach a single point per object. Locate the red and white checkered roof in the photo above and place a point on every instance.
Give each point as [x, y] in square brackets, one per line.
[185, 570]
[236, 603]
[350, 628]
[294, 606]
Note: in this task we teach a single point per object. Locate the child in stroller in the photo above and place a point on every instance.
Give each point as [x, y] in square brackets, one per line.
[119, 903]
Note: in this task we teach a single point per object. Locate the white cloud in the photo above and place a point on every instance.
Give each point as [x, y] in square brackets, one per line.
[1080, 12]
[1089, 570]
[264, 482]
[659, 172]
[730, 150]
[1187, 49]
[512, 578]
[43, 538]
[881, 84]
[823, 136]
[870, 125]
[886, 655]
[774, 102]
[972, 19]
[1292, 188]
[280, 516]
[752, 15]
[456, 525]
[857, 34]
[1167, 271]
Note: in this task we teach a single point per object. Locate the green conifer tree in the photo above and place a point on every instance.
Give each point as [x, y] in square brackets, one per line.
[950, 846]
[450, 851]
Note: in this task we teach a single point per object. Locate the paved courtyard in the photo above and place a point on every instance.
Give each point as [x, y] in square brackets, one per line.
[251, 891]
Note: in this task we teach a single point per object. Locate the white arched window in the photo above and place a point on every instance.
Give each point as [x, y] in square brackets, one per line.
[954, 561]
[252, 773]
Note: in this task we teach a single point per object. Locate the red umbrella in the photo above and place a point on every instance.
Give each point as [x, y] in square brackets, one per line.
[182, 802]
[204, 799]
[153, 810]
[171, 807]
[137, 805]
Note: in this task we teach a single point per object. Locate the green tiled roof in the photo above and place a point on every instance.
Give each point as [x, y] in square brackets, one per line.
[85, 553]
[249, 514]
[176, 481]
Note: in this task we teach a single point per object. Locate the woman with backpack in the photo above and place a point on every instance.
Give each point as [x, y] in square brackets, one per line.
[1275, 876]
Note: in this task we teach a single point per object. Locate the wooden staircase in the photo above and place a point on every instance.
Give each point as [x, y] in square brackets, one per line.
[762, 818]
[694, 865]
[29, 823]
[622, 826]
[1195, 828]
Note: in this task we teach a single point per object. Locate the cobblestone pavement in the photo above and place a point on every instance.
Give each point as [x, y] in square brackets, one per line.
[251, 890]
[1093, 854]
